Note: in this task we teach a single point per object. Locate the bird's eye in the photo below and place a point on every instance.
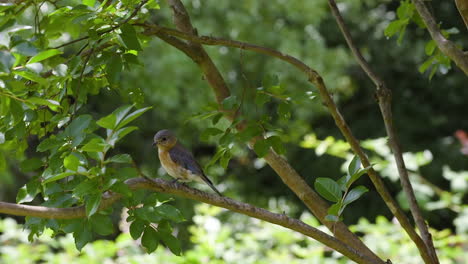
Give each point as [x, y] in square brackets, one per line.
[163, 139]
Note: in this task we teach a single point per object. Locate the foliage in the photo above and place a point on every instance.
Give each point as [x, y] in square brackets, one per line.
[248, 241]
[64, 65]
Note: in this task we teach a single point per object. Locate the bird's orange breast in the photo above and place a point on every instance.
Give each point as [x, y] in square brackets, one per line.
[172, 168]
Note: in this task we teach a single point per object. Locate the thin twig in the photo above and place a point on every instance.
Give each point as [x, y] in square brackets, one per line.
[285, 171]
[281, 166]
[384, 98]
[446, 46]
[160, 185]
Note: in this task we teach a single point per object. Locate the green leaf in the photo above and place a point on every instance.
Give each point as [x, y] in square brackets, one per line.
[225, 159]
[405, 10]
[113, 70]
[121, 158]
[230, 103]
[251, 131]
[129, 37]
[122, 188]
[328, 189]
[71, 162]
[357, 175]
[261, 147]
[354, 165]
[95, 145]
[354, 194]
[89, 2]
[170, 212]
[172, 243]
[132, 116]
[211, 131]
[335, 209]
[82, 237]
[426, 64]
[332, 218]
[107, 121]
[395, 27]
[57, 177]
[284, 110]
[261, 98]
[30, 164]
[430, 47]
[216, 157]
[216, 118]
[32, 77]
[76, 128]
[120, 134]
[343, 181]
[269, 81]
[136, 228]
[28, 192]
[86, 187]
[102, 224]
[277, 144]
[150, 239]
[52, 104]
[44, 55]
[92, 204]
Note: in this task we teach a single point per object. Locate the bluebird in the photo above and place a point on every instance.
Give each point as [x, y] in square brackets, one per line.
[178, 161]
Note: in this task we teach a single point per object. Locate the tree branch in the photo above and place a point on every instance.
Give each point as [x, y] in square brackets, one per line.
[462, 6]
[385, 99]
[446, 46]
[285, 171]
[159, 185]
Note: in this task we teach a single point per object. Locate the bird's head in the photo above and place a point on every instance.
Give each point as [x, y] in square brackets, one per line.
[164, 139]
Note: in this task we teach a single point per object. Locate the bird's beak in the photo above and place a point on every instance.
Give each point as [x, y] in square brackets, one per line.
[154, 143]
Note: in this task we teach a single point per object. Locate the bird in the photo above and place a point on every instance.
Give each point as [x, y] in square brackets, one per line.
[177, 161]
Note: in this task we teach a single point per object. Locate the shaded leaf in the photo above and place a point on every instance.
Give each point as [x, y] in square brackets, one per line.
[92, 204]
[328, 189]
[129, 37]
[136, 228]
[121, 158]
[261, 147]
[150, 239]
[170, 212]
[44, 55]
[354, 165]
[354, 194]
[102, 224]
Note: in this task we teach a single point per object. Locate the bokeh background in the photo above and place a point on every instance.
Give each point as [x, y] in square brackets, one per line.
[427, 114]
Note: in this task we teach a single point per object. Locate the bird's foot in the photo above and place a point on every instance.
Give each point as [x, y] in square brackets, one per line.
[175, 180]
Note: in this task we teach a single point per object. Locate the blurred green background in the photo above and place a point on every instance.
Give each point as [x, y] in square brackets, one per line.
[427, 113]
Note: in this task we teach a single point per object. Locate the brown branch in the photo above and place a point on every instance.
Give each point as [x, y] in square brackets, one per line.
[159, 185]
[462, 6]
[384, 99]
[212, 75]
[286, 172]
[446, 46]
[288, 175]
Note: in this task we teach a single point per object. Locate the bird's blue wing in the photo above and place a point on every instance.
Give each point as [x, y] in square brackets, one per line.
[185, 159]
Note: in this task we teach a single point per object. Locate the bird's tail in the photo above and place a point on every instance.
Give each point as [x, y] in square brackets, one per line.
[207, 181]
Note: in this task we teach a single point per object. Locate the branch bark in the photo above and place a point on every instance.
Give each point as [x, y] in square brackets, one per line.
[284, 170]
[384, 100]
[462, 6]
[159, 185]
[446, 46]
